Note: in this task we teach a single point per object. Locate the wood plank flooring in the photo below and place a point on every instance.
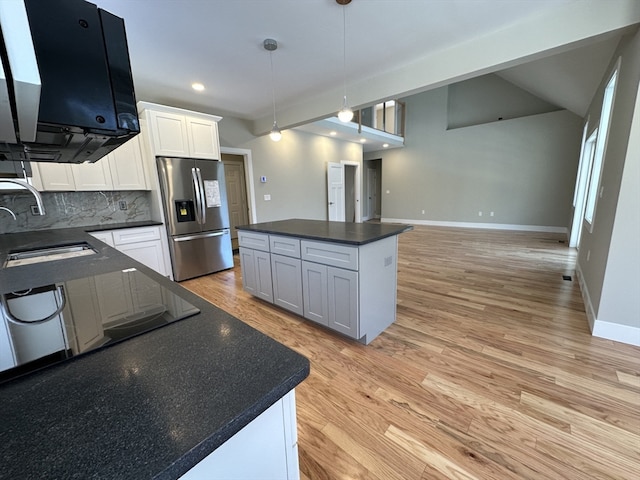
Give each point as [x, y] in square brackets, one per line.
[489, 371]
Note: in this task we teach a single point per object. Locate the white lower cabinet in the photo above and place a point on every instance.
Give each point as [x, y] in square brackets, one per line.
[314, 292]
[143, 244]
[265, 449]
[286, 276]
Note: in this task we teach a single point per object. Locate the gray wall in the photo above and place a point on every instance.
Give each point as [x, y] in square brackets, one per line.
[522, 169]
[295, 167]
[616, 215]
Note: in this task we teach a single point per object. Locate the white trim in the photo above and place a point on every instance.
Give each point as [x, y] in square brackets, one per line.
[491, 226]
[588, 306]
[248, 169]
[617, 332]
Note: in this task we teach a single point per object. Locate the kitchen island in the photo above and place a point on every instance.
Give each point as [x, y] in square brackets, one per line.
[340, 275]
[153, 406]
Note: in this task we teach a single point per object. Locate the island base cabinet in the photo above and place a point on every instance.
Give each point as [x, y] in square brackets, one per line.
[342, 286]
[256, 273]
[286, 274]
[266, 449]
[314, 292]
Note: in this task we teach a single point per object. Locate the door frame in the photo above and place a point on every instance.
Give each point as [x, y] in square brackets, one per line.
[358, 187]
[248, 178]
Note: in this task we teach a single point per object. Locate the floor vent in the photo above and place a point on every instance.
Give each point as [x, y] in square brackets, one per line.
[566, 277]
[562, 241]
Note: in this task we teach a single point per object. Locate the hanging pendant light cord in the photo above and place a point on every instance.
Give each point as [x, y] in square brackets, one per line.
[344, 50]
[273, 87]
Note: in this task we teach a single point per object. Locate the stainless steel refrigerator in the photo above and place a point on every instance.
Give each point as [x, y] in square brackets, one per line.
[195, 207]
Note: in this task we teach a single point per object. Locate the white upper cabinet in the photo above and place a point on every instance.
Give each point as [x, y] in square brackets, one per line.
[92, 176]
[127, 166]
[54, 176]
[181, 133]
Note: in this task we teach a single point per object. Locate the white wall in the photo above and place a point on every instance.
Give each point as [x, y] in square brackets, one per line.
[295, 168]
[522, 169]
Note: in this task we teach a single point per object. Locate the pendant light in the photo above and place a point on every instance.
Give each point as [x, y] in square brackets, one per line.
[271, 45]
[345, 114]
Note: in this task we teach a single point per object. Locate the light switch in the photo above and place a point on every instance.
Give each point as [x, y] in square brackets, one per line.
[267, 197]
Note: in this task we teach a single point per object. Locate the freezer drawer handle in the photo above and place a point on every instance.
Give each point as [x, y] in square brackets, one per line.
[195, 237]
[7, 311]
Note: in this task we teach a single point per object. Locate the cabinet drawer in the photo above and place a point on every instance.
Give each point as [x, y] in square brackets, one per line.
[257, 241]
[330, 254]
[135, 235]
[287, 246]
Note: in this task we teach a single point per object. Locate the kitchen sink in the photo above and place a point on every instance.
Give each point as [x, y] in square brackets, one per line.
[48, 254]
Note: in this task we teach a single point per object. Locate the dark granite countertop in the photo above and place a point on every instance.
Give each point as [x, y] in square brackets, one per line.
[338, 232]
[118, 226]
[152, 406]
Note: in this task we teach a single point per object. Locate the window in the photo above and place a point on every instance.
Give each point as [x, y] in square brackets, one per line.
[598, 158]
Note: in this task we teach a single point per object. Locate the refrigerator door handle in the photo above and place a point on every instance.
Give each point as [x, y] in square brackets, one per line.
[203, 204]
[198, 195]
[204, 235]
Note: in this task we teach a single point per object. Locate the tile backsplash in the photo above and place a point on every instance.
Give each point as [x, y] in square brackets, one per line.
[72, 209]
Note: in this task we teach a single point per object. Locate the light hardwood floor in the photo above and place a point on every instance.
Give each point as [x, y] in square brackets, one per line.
[489, 371]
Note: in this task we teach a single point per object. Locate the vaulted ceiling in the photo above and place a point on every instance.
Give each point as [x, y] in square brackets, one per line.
[555, 49]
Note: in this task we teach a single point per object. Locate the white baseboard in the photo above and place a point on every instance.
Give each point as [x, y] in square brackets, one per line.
[602, 329]
[493, 226]
[617, 332]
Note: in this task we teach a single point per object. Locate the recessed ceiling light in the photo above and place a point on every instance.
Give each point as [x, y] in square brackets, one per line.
[333, 134]
[362, 140]
[385, 145]
[198, 87]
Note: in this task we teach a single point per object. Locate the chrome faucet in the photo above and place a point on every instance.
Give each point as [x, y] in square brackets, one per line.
[31, 188]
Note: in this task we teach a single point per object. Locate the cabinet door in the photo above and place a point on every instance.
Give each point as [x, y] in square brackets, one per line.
[56, 177]
[314, 292]
[7, 358]
[148, 253]
[343, 301]
[286, 274]
[264, 287]
[127, 166]
[114, 298]
[92, 176]
[248, 269]
[169, 134]
[203, 138]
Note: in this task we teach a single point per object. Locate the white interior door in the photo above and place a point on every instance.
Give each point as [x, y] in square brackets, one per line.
[335, 191]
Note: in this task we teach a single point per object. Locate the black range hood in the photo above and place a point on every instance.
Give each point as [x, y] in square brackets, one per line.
[86, 106]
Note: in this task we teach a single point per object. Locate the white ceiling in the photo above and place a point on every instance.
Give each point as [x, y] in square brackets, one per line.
[173, 43]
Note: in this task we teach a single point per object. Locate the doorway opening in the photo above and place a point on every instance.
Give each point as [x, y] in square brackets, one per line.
[344, 191]
[239, 191]
[373, 190]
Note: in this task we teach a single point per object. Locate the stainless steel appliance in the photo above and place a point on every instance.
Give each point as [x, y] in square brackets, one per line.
[66, 89]
[195, 207]
[47, 324]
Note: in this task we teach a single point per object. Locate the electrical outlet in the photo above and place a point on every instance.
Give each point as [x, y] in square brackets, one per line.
[480, 213]
[35, 210]
[267, 197]
[122, 204]
[491, 214]
[423, 212]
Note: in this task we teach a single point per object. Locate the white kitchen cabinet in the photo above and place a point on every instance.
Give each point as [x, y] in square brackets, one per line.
[55, 176]
[175, 132]
[127, 166]
[122, 169]
[286, 275]
[265, 449]
[7, 357]
[92, 177]
[143, 244]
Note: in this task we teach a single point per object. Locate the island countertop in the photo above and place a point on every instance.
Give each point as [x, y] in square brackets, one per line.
[338, 232]
[152, 406]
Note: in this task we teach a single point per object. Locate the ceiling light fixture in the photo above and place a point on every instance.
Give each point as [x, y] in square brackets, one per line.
[345, 114]
[198, 87]
[333, 133]
[385, 145]
[271, 46]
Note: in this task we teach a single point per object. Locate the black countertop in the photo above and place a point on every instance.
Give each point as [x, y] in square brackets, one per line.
[150, 407]
[338, 232]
